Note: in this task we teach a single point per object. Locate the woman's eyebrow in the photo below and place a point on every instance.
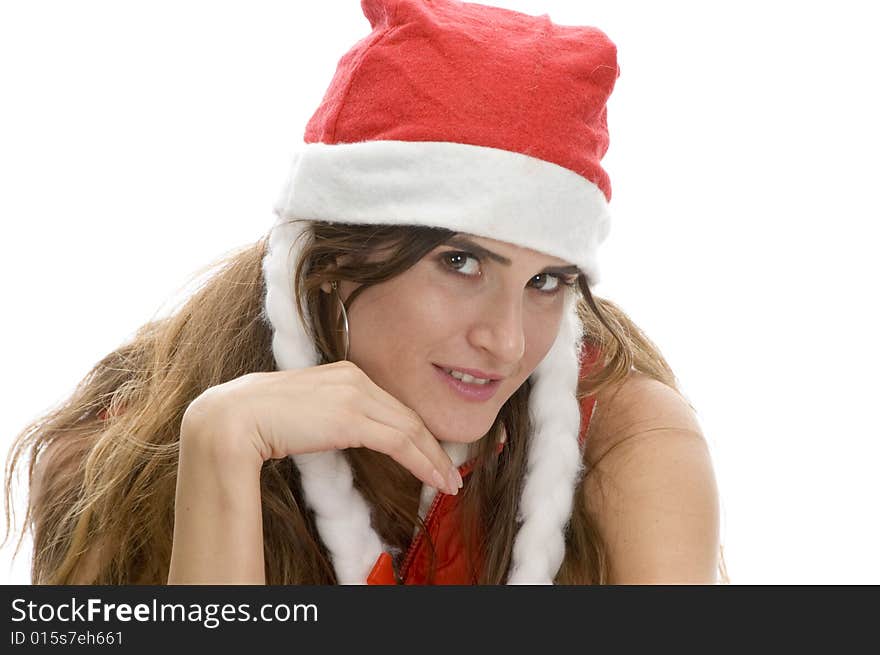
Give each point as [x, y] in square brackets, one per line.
[461, 242]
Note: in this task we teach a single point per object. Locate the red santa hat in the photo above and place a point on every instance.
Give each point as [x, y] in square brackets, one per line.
[476, 119]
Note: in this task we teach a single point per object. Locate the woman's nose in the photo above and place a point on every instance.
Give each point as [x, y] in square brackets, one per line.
[499, 330]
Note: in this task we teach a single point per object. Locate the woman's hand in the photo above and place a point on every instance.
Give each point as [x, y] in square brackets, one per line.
[320, 408]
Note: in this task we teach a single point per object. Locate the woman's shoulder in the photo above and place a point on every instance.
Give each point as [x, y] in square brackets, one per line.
[636, 407]
[650, 485]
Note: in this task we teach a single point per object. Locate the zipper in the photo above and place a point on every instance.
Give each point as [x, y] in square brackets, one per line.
[410, 553]
[464, 470]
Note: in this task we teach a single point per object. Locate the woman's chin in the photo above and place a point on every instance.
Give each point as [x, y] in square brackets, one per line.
[469, 433]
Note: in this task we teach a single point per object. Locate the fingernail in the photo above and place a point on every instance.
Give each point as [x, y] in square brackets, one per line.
[438, 480]
[454, 477]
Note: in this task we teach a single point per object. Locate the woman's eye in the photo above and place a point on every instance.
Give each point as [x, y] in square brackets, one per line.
[544, 277]
[456, 261]
[559, 283]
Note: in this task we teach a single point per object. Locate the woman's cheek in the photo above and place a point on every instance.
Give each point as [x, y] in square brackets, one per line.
[540, 334]
[447, 297]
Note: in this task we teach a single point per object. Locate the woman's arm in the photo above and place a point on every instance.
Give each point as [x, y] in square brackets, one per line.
[229, 430]
[218, 524]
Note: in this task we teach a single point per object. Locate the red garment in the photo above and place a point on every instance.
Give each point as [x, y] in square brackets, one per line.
[451, 563]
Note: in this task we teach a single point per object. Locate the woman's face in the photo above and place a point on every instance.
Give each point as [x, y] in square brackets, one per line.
[459, 308]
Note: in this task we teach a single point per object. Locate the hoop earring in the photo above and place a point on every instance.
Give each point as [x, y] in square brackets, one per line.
[333, 285]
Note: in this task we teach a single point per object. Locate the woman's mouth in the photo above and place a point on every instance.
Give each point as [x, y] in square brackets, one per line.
[468, 388]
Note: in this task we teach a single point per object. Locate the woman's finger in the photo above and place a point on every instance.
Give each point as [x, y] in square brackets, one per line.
[400, 446]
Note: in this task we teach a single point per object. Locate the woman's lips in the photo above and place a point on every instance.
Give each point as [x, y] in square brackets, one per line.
[468, 391]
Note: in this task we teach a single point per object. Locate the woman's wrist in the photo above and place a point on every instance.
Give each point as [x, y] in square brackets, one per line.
[225, 441]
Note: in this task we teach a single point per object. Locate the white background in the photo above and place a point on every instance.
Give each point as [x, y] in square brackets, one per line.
[141, 140]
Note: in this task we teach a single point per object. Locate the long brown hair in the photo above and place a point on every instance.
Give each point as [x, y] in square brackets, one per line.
[110, 484]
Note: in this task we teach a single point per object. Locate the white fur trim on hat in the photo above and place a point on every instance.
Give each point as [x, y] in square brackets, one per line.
[487, 192]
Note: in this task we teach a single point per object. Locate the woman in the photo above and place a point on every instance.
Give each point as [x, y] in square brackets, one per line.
[399, 383]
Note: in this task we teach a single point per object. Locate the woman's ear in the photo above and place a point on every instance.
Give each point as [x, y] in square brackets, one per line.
[340, 260]
[331, 269]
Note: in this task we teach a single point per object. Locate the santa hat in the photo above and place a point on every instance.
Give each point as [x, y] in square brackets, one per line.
[479, 120]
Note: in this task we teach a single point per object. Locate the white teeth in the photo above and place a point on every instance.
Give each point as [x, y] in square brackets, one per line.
[464, 377]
